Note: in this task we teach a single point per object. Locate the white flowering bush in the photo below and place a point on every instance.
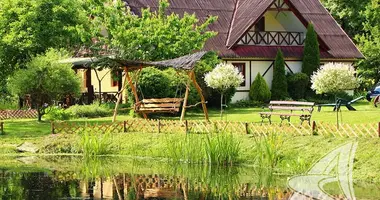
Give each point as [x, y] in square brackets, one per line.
[333, 78]
[223, 77]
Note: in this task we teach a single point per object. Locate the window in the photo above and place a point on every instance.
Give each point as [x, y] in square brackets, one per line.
[114, 78]
[241, 68]
[260, 26]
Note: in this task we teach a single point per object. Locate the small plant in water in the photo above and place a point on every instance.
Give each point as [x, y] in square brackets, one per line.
[222, 149]
[268, 150]
[94, 143]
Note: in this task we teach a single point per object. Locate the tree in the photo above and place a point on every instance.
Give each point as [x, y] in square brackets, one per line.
[45, 80]
[151, 35]
[298, 83]
[333, 78]
[28, 28]
[279, 83]
[259, 90]
[222, 78]
[311, 54]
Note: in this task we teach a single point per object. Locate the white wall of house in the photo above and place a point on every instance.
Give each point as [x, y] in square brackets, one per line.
[255, 67]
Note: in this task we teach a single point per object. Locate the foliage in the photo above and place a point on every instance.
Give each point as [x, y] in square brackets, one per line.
[297, 85]
[267, 150]
[148, 35]
[215, 149]
[223, 77]
[247, 104]
[259, 90]
[56, 113]
[334, 77]
[93, 144]
[311, 54]
[279, 84]
[360, 19]
[45, 80]
[154, 83]
[89, 111]
[8, 102]
[29, 28]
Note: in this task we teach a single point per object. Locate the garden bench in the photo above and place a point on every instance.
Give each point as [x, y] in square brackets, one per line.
[280, 107]
[341, 102]
[164, 105]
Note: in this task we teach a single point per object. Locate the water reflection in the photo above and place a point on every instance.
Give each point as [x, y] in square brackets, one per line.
[110, 178]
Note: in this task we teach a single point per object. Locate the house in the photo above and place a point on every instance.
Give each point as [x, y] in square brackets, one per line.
[251, 31]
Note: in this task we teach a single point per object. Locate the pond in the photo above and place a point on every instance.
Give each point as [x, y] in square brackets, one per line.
[70, 177]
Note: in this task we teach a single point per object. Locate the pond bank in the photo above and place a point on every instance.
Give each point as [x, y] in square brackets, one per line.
[287, 154]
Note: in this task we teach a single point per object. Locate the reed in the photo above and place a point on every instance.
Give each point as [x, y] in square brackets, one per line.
[93, 144]
[267, 150]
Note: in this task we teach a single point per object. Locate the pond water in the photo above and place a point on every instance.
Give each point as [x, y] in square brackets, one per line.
[116, 178]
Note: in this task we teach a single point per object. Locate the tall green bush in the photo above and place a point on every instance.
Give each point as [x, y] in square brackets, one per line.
[259, 90]
[311, 54]
[297, 85]
[279, 83]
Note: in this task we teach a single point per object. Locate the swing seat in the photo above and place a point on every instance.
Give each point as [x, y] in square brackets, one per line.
[164, 105]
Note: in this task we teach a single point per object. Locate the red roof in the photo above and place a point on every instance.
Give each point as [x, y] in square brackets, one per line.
[236, 17]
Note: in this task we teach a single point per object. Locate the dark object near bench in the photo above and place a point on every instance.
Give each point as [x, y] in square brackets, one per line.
[341, 102]
[165, 105]
[306, 108]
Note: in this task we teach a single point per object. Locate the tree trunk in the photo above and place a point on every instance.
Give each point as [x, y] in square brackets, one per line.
[221, 106]
[100, 86]
[39, 113]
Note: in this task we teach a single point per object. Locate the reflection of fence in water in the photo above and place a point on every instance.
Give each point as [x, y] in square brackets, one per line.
[193, 126]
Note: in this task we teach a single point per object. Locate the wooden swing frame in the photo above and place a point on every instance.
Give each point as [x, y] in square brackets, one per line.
[165, 103]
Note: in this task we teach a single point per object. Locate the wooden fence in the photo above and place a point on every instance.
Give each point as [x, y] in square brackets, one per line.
[371, 130]
[17, 114]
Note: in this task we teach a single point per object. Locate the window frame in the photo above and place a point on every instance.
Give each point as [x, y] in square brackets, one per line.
[243, 71]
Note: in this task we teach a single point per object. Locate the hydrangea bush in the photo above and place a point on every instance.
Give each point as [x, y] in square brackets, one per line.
[333, 78]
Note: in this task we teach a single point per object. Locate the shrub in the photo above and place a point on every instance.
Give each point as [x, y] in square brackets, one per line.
[89, 111]
[56, 113]
[247, 104]
[297, 85]
[154, 83]
[259, 90]
[279, 84]
[311, 57]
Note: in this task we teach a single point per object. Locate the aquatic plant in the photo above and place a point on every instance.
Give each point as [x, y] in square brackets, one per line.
[222, 149]
[267, 150]
[95, 143]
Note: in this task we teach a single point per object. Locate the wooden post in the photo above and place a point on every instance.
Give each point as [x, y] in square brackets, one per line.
[1, 127]
[186, 127]
[52, 127]
[159, 126]
[199, 89]
[185, 102]
[378, 129]
[246, 129]
[120, 96]
[125, 126]
[134, 91]
[313, 127]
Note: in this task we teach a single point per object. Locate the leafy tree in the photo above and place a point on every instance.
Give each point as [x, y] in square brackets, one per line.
[152, 35]
[333, 78]
[279, 83]
[45, 80]
[222, 78]
[311, 54]
[28, 28]
[259, 90]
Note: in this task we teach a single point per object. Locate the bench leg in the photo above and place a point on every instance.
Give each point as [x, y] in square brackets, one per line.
[305, 118]
[283, 117]
[265, 116]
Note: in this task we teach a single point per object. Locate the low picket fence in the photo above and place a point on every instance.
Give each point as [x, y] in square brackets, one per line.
[18, 114]
[369, 130]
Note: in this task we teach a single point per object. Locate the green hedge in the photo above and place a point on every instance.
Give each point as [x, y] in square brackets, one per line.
[297, 85]
[259, 90]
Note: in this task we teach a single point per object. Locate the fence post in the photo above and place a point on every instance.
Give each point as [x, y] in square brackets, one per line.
[159, 126]
[378, 129]
[1, 127]
[52, 127]
[125, 126]
[313, 127]
[246, 128]
[186, 127]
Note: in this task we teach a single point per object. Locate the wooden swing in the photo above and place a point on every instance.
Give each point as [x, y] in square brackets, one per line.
[163, 105]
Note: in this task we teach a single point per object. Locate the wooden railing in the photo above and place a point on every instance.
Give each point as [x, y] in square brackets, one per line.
[17, 114]
[277, 38]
